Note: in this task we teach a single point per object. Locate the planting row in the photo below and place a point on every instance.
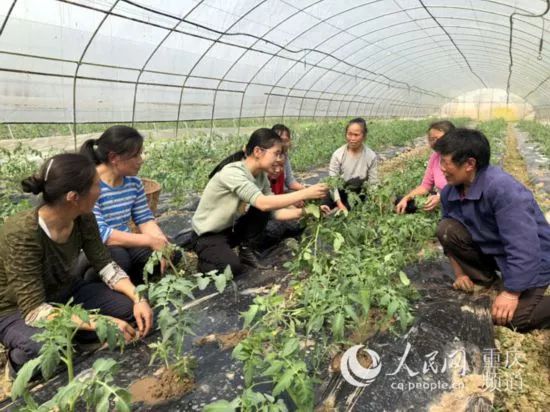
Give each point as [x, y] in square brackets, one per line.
[325, 298]
[347, 284]
[539, 133]
[182, 166]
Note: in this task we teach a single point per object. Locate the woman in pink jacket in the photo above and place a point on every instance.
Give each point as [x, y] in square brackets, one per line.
[433, 178]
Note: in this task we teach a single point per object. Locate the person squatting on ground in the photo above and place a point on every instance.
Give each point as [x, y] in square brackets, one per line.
[492, 222]
[38, 248]
[237, 203]
[434, 179]
[286, 176]
[355, 163]
[118, 156]
[281, 180]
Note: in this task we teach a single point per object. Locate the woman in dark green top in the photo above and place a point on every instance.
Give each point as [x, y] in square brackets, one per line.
[38, 249]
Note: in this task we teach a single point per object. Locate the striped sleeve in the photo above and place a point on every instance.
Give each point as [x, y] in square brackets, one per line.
[104, 229]
[140, 210]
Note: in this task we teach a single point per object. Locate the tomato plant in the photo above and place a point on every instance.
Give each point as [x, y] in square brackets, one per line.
[57, 346]
[174, 322]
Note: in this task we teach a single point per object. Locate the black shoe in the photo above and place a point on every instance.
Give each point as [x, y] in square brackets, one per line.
[249, 258]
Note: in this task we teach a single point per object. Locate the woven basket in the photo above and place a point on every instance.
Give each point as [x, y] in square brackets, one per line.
[152, 192]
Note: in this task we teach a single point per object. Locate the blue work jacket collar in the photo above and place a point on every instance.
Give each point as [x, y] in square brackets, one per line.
[475, 191]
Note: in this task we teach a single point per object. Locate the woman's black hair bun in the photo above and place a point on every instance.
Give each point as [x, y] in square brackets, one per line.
[33, 184]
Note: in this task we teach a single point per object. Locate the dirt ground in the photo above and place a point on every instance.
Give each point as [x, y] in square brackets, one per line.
[523, 385]
[153, 390]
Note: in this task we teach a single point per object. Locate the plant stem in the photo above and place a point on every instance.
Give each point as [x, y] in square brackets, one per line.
[172, 266]
[69, 355]
[69, 362]
[316, 239]
[109, 389]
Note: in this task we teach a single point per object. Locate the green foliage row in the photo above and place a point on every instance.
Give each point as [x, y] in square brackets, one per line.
[34, 130]
[495, 131]
[182, 166]
[15, 165]
[539, 133]
[344, 268]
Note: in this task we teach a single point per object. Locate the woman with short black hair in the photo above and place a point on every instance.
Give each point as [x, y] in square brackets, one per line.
[433, 177]
[355, 163]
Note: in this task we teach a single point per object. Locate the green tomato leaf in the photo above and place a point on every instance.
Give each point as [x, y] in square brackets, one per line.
[122, 405]
[338, 241]
[290, 347]
[23, 377]
[351, 313]
[249, 315]
[221, 406]
[202, 283]
[392, 307]
[50, 360]
[338, 322]
[228, 273]
[274, 369]
[220, 282]
[404, 278]
[313, 210]
[103, 404]
[284, 382]
[102, 365]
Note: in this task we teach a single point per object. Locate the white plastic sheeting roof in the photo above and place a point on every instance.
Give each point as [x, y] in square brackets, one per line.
[156, 60]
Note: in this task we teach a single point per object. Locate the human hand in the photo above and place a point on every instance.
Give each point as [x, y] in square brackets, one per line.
[432, 202]
[504, 307]
[157, 242]
[341, 206]
[325, 209]
[127, 330]
[464, 283]
[317, 191]
[144, 317]
[343, 209]
[402, 205]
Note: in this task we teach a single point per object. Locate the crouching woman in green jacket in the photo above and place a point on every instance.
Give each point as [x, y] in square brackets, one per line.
[38, 248]
[237, 203]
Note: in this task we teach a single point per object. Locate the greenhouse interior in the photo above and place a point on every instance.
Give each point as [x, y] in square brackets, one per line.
[265, 205]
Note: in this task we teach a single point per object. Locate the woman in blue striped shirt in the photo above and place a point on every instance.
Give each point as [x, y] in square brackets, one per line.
[117, 154]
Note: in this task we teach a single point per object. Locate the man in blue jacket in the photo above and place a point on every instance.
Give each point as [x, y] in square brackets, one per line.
[492, 222]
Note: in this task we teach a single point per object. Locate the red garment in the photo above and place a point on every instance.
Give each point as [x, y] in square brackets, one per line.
[278, 184]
